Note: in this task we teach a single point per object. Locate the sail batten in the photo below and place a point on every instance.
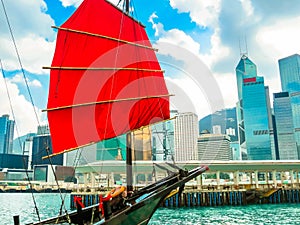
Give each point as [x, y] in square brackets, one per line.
[102, 88]
[106, 37]
[103, 68]
[107, 101]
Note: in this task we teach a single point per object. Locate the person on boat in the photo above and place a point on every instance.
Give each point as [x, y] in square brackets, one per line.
[118, 196]
[78, 203]
[113, 201]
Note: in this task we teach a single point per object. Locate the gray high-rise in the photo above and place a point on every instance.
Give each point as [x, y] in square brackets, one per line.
[289, 68]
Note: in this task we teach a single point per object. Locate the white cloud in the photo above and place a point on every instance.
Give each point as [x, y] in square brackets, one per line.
[178, 38]
[35, 52]
[204, 13]
[247, 7]
[76, 3]
[22, 109]
[67, 3]
[279, 39]
[228, 87]
[19, 79]
[31, 28]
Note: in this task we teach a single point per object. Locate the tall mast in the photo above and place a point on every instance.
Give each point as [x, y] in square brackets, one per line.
[127, 6]
[129, 177]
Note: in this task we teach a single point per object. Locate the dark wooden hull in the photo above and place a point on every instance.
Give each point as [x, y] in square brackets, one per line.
[138, 209]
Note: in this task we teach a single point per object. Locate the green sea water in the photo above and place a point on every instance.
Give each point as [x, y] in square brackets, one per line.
[48, 205]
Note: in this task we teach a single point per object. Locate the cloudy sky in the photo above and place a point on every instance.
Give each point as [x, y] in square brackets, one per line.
[199, 44]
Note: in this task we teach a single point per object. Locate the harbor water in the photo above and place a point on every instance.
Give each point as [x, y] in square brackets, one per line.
[49, 204]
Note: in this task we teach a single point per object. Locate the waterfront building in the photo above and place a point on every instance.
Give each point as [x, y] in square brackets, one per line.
[6, 134]
[214, 147]
[287, 146]
[253, 113]
[13, 161]
[42, 146]
[186, 132]
[289, 68]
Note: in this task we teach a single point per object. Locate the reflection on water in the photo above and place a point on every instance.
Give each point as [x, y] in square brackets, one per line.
[21, 204]
[235, 215]
[49, 205]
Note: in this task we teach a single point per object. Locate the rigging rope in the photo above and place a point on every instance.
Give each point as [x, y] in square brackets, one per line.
[19, 59]
[24, 162]
[33, 105]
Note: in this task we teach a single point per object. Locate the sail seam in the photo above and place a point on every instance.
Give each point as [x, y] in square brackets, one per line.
[103, 102]
[100, 68]
[106, 37]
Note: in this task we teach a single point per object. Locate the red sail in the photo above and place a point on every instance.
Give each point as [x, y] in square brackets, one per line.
[105, 79]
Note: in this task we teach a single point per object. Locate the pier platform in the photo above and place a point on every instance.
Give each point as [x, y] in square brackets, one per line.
[226, 182]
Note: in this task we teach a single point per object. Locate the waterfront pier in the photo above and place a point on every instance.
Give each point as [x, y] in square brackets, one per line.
[226, 182]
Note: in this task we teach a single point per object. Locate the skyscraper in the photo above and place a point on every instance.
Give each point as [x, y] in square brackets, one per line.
[287, 147]
[289, 69]
[185, 136]
[6, 134]
[253, 113]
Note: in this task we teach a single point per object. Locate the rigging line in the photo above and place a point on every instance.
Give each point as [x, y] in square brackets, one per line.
[75, 165]
[19, 60]
[26, 171]
[114, 71]
[57, 184]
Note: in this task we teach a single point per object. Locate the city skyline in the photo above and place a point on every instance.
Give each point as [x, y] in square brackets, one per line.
[210, 33]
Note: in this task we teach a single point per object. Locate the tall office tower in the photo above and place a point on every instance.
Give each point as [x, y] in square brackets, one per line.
[214, 147]
[6, 134]
[289, 68]
[185, 136]
[253, 113]
[287, 147]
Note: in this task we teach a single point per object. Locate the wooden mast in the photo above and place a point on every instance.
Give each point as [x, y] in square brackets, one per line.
[129, 178]
[127, 6]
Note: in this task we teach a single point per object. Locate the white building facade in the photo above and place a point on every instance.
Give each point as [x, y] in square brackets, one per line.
[186, 130]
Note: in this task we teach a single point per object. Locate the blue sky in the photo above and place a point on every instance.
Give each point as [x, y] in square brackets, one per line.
[198, 42]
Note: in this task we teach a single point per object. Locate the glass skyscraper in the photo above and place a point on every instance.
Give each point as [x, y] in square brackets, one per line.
[289, 68]
[6, 134]
[287, 147]
[253, 113]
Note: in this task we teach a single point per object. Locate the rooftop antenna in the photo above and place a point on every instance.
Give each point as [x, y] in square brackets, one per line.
[245, 52]
[246, 43]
